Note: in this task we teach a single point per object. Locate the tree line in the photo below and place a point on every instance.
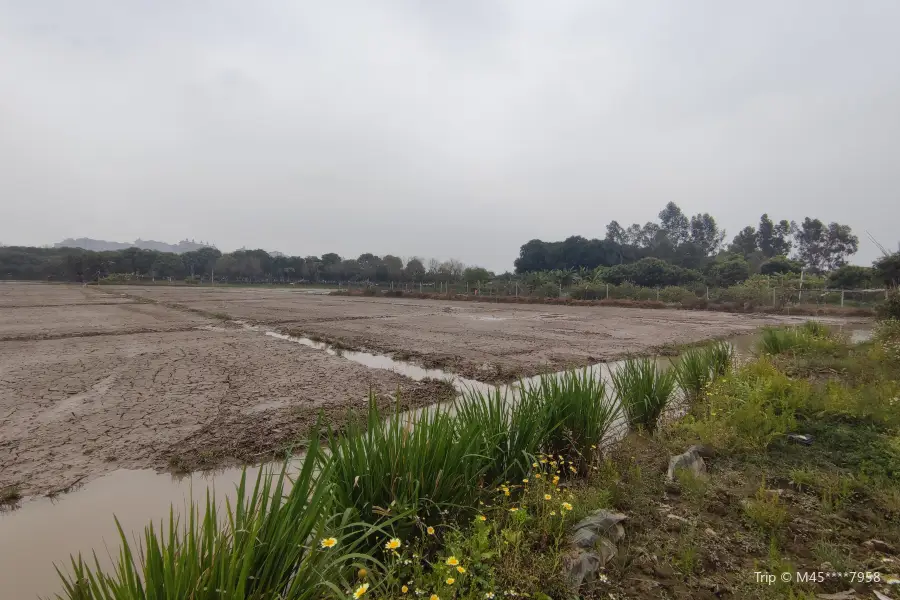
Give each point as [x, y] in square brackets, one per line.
[252, 266]
[678, 250]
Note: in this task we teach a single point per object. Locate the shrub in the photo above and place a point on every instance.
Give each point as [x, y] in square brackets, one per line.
[780, 265]
[650, 272]
[643, 390]
[765, 511]
[728, 272]
[850, 277]
[890, 308]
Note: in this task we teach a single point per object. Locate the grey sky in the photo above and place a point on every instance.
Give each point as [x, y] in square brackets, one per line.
[441, 129]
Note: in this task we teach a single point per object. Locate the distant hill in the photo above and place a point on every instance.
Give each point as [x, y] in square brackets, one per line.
[102, 245]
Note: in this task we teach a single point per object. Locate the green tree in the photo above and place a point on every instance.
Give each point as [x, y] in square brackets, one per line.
[674, 224]
[746, 242]
[705, 233]
[780, 265]
[887, 269]
[824, 248]
[477, 275]
[851, 277]
[728, 272]
[615, 233]
[775, 239]
[415, 270]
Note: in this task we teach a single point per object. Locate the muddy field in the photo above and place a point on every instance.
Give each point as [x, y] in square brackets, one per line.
[488, 342]
[128, 377]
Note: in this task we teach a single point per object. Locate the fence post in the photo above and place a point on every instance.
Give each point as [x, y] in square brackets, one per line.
[607, 291]
[420, 287]
[842, 298]
[774, 302]
[517, 289]
[707, 293]
[657, 294]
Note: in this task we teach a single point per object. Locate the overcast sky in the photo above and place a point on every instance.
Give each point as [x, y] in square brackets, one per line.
[442, 129]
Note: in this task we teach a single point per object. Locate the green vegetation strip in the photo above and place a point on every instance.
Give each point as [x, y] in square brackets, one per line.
[478, 500]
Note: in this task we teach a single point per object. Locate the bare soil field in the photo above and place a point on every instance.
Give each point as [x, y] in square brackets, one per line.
[73, 409]
[484, 341]
[47, 322]
[497, 343]
[32, 295]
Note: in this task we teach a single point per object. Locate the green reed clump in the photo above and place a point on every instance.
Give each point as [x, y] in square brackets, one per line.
[720, 356]
[693, 372]
[697, 367]
[512, 430]
[267, 544]
[579, 412]
[417, 465]
[644, 390]
[777, 340]
[815, 329]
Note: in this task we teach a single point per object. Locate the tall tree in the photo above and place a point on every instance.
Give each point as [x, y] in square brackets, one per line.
[415, 270]
[615, 233]
[705, 233]
[746, 242]
[824, 248]
[774, 239]
[674, 224]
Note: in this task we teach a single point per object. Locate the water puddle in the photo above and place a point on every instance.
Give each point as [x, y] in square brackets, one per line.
[45, 531]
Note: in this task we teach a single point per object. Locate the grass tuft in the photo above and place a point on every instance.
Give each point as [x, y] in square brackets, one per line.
[644, 390]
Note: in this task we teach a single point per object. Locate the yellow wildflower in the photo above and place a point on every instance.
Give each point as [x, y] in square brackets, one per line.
[452, 561]
[361, 590]
[571, 468]
[513, 509]
[393, 544]
[534, 465]
[482, 518]
[404, 589]
[525, 480]
[567, 506]
[552, 513]
[450, 581]
[430, 530]
[548, 497]
[460, 569]
[537, 475]
[328, 542]
[435, 597]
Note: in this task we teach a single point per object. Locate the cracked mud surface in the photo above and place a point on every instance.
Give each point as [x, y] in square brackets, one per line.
[73, 409]
[488, 342]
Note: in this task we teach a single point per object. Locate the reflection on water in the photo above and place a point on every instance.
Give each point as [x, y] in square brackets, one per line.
[44, 531]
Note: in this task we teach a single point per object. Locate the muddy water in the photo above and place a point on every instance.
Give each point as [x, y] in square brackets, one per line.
[43, 531]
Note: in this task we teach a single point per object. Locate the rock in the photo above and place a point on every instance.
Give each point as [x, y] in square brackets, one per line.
[800, 438]
[594, 538]
[584, 568]
[602, 523]
[691, 460]
[880, 546]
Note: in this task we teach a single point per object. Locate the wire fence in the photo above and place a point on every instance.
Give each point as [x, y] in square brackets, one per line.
[755, 295]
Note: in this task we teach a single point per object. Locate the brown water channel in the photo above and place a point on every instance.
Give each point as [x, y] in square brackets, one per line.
[44, 531]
